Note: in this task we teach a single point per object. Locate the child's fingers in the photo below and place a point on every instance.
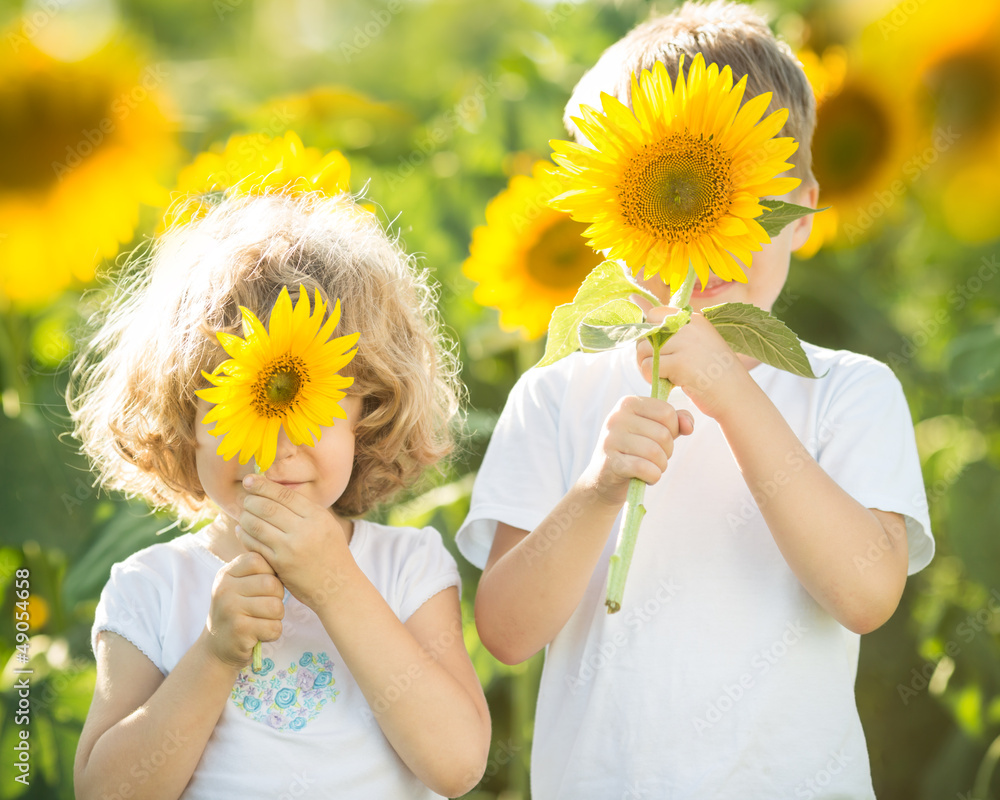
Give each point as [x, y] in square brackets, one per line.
[249, 564]
[685, 423]
[264, 608]
[270, 510]
[267, 630]
[632, 410]
[261, 486]
[266, 530]
[648, 470]
[254, 544]
[261, 585]
[643, 438]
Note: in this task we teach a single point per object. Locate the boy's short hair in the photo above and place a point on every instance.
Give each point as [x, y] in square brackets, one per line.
[724, 32]
[132, 393]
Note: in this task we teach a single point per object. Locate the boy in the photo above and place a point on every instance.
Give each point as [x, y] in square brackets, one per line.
[785, 527]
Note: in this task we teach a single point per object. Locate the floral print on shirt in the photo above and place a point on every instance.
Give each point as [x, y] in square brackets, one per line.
[286, 699]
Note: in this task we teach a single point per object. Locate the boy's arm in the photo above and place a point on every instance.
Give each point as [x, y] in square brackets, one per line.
[533, 582]
[820, 529]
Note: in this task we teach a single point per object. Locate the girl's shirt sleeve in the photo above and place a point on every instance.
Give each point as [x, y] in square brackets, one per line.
[428, 570]
[131, 605]
[407, 565]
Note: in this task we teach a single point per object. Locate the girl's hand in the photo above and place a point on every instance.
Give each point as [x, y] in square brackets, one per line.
[637, 441]
[302, 541]
[699, 360]
[246, 608]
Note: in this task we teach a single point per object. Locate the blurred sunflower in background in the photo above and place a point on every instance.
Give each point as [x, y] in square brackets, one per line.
[956, 59]
[255, 164]
[528, 258]
[865, 132]
[341, 117]
[82, 145]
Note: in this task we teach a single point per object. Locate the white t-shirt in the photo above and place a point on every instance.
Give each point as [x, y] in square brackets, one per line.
[720, 677]
[302, 727]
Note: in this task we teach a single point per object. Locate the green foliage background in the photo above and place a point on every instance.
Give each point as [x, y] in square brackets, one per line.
[470, 85]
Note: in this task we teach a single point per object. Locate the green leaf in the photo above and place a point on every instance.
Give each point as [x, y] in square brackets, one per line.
[753, 332]
[605, 282]
[974, 362]
[617, 312]
[596, 337]
[778, 214]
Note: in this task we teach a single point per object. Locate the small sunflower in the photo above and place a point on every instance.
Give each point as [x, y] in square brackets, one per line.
[678, 181]
[285, 376]
[528, 258]
[865, 132]
[254, 164]
[82, 145]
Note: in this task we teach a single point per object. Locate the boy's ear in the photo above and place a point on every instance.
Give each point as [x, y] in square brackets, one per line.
[806, 195]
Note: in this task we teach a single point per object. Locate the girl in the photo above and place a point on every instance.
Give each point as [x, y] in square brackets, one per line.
[366, 689]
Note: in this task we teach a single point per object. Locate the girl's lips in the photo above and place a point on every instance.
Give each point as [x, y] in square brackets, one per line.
[715, 285]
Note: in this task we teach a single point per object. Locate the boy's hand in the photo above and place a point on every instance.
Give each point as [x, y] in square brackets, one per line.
[699, 360]
[246, 608]
[302, 541]
[637, 441]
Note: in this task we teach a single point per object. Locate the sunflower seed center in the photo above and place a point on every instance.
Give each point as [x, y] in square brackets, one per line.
[676, 188]
[278, 387]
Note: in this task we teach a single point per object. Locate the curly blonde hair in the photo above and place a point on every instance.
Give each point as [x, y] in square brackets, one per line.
[724, 32]
[132, 392]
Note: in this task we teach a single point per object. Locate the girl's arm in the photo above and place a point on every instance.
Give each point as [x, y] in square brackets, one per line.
[418, 680]
[137, 716]
[417, 677]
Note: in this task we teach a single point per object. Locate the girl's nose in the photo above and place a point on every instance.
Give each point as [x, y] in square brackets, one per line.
[285, 446]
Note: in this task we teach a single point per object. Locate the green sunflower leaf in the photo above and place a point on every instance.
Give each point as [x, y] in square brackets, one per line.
[753, 332]
[614, 324]
[778, 214]
[606, 282]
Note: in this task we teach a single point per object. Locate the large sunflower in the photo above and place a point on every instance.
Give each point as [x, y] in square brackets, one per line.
[286, 376]
[528, 258]
[865, 132]
[678, 181]
[256, 164]
[81, 146]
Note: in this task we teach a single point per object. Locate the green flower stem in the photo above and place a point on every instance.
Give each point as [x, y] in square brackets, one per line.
[621, 560]
[257, 659]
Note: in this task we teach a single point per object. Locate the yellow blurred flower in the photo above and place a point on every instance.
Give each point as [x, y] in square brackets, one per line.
[955, 55]
[340, 115]
[81, 147]
[678, 181]
[528, 258]
[38, 612]
[283, 376]
[865, 132]
[253, 164]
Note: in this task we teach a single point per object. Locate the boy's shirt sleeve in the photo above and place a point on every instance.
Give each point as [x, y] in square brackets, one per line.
[522, 475]
[866, 443]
